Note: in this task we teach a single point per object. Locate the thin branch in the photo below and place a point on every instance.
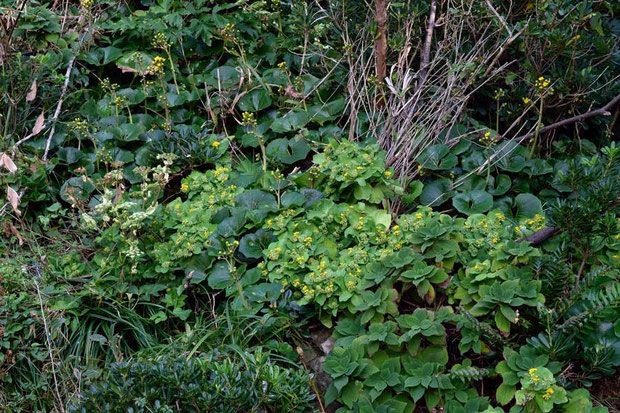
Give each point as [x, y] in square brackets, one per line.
[427, 44]
[59, 107]
[598, 112]
[499, 17]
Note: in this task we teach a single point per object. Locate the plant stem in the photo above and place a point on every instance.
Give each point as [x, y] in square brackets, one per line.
[538, 128]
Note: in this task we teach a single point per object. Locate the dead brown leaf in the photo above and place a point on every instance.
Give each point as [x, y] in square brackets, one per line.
[32, 94]
[13, 199]
[39, 124]
[7, 162]
[16, 233]
[126, 69]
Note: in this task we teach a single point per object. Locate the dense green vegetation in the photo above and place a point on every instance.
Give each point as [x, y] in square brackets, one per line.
[287, 205]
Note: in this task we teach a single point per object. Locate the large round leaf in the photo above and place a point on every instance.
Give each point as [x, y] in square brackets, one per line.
[288, 151]
[436, 192]
[254, 101]
[499, 185]
[437, 157]
[473, 202]
[527, 206]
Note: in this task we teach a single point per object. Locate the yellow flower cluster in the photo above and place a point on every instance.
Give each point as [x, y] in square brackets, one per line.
[307, 290]
[87, 4]
[274, 254]
[282, 65]
[184, 187]
[160, 41]
[548, 393]
[533, 375]
[487, 140]
[220, 174]
[538, 222]
[157, 65]
[248, 119]
[543, 85]
[79, 125]
[120, 101]
[229, 32]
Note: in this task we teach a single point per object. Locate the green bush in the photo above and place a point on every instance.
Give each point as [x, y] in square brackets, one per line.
[217, 382]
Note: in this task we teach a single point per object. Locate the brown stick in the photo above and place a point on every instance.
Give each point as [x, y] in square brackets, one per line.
[600, 111]
[426, 56]
[541, 236]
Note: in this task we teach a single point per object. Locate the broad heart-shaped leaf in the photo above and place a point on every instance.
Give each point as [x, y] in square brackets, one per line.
[137, 61]
[199, 266]
[437, 157]
[76, 188]
[327, 111]
[436, 193]
[223, 77]
[288, 151]
[415, 189]
[499, 184]
[252, 245]
[254, 101]
[474, 202]
[527, 206]
[511, 156]
[290, 122]
[220, 277]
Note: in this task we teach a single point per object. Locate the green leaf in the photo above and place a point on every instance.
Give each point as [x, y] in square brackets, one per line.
[252, 245]
[436, 193]
[505, 393]
[437, 157]
[527, 206]
[290, 122]
[288, 151]
[220, 277]
[351, 393]
[254, 101]
[474, 202]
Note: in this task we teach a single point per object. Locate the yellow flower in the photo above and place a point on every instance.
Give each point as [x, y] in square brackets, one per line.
[388, 174]
[532, 371]
[527, 100]
[215, 144]
[184, 187]
[548, 393]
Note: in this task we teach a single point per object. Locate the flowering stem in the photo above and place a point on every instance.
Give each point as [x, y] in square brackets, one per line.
[538, 128]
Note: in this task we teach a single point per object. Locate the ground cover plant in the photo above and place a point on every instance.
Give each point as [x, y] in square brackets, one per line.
[287, 205]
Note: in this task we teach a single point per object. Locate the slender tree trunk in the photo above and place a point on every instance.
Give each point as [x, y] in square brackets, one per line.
[381, 17]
